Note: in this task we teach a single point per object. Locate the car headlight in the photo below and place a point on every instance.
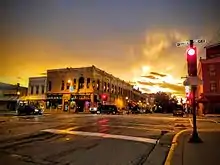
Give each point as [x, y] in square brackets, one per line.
[95, 109]
[36, 110]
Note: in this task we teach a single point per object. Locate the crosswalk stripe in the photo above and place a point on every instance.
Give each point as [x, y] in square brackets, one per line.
[103, 135]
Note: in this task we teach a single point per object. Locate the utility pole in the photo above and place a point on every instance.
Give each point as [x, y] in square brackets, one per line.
[192, 80]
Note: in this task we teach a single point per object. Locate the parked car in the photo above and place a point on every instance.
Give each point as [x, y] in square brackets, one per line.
[29, 110]
[107, 109]
[178, 111]
[93, 110]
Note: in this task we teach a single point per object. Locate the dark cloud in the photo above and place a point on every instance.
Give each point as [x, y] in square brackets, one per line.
[146, 83]
[158, 74]
[172, 87]
[150, 77]
[145, 90]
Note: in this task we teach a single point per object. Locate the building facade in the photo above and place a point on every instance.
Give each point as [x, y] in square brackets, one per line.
[87, 86]
[10, 95]
[209, 72]
[37, 88]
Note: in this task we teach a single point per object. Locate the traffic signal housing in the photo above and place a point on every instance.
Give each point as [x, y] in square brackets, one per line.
[191, 54]
[104, 97]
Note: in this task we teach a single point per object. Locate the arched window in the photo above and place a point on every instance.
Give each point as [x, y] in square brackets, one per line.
[98, 84]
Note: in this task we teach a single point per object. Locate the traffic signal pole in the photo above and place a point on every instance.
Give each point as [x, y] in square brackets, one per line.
[192, 72]
[195, 136]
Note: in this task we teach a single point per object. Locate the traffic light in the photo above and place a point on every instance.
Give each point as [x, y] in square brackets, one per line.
[192, 61]
[104, 97]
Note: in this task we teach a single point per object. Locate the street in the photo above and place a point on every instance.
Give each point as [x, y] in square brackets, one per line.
[83, 139]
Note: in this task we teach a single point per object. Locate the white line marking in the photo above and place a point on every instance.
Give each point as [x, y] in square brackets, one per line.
[208, 120]
[138, 128]
[103, 135]
[71, 128]
[190, 121]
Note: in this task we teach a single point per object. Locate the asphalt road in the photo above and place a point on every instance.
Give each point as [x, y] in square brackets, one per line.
[84, 139]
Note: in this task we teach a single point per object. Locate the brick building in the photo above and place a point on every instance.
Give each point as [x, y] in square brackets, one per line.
[209, 72]
[87, 86]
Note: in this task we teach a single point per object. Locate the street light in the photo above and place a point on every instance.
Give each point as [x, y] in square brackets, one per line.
[126, 98]
[18, 93]
[69, 81]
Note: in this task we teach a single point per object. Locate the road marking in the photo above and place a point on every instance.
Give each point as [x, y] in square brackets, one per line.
[208, 120]
[71, 128]
[190, 121]
[172, 148]
[103, 135]
[138, 128]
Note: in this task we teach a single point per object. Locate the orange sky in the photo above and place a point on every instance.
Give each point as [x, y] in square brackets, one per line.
[134, 40]
[156, 53]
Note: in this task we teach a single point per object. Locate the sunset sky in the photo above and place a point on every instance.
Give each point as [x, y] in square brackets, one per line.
[132, 39]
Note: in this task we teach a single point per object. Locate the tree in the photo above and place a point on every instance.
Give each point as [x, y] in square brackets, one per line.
[165, 103]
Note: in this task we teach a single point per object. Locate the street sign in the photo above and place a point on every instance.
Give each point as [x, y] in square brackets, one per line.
[199, 41]
[184, 43]
[192, 81]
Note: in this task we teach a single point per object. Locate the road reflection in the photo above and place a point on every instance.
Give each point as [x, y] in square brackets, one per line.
[103, 125]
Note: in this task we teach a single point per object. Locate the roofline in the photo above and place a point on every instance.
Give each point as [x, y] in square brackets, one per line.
[37, 77]
[212, 45]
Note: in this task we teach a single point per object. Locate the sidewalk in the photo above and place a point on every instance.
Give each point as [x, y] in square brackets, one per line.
[206, 153]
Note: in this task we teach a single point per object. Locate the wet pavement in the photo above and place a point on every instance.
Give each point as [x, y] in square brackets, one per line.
[83, 139]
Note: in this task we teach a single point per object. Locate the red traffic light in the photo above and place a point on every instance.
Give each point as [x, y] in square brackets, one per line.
[104, 97]
[191, 51]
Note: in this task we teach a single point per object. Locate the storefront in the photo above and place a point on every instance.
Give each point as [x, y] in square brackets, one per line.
[54, 101]
[81, 103]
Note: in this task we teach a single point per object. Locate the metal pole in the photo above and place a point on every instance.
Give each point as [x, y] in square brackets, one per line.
[195, 136]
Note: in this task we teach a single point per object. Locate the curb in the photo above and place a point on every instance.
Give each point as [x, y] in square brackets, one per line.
[173, 146]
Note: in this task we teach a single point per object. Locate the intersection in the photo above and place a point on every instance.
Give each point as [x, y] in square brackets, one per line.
[83, 139]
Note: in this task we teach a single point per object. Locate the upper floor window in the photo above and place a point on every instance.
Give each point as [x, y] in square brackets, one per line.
[104, 88]
[32, 90]
[108, 87]
[74, 81]
[49, 85]
[81, 82]
[213, 86]
[67, 85]
[112, 88]
[62, 85]
[212, 70]
[98, 84]
[93, 84]
[37, 89]
[88, 82]
[42, 89]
